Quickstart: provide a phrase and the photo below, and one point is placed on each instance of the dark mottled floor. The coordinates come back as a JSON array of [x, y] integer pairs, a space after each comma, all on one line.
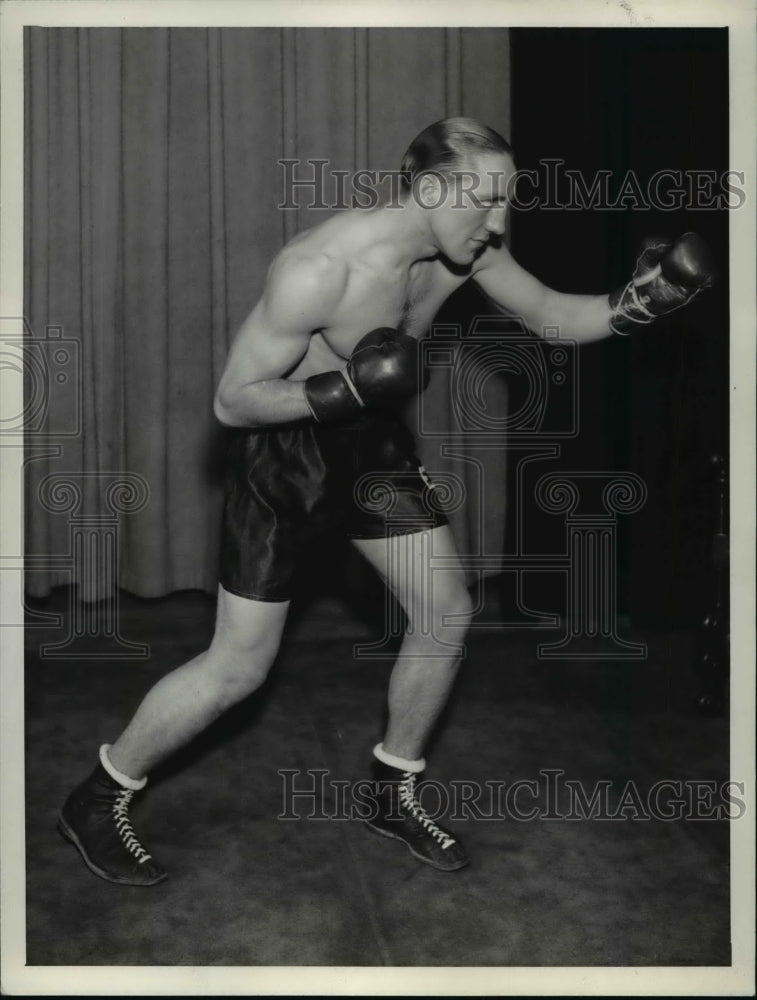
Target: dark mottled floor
[[247, 888]]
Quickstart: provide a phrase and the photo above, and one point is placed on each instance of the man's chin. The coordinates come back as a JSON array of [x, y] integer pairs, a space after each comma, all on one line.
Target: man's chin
[[467, 254], [459, 261], [474, 253]]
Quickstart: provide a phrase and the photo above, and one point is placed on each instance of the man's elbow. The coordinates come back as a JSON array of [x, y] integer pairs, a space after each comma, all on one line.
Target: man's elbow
[[223, 408]]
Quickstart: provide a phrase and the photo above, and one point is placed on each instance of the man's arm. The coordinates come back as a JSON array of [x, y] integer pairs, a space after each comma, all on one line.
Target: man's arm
[[582, 318], [299, 297], [668, 275]]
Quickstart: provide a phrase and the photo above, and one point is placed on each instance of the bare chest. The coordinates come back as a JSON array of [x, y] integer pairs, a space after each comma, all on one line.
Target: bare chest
[[406, 302]]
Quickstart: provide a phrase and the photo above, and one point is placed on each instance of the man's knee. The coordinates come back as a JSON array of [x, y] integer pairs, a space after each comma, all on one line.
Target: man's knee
[[238, 663], [447, 608], [235, 673], [247, 637]]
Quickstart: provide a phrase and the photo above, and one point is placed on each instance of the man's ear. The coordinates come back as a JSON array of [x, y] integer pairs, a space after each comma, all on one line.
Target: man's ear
[[431, 189]]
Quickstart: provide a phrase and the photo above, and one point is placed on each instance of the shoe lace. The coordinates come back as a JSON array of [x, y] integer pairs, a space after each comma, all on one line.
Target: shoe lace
[[413, 806], [124, 828]]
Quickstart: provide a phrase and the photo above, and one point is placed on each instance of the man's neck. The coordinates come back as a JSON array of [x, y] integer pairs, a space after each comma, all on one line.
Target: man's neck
[[407, 227]]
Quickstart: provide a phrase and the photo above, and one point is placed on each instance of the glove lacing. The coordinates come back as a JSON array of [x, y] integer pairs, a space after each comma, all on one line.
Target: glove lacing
[[413, 806], [638, 302], [124, 828]]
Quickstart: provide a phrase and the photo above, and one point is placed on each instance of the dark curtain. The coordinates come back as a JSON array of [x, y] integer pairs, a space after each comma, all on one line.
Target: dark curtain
[[152, 187], [656, 403]]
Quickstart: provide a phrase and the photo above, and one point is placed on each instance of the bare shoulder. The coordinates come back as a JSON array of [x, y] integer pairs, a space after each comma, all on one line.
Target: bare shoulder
[[304, 283]]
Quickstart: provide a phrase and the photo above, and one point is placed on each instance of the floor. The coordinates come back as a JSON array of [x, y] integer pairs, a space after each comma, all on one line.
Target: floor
[[247, 888]]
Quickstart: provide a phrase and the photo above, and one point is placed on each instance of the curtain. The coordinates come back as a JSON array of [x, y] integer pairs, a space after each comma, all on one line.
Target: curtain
[[151, 217]]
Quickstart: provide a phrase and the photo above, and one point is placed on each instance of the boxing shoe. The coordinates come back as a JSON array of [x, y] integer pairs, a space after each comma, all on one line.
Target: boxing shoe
[[95, 819], [396, 812]]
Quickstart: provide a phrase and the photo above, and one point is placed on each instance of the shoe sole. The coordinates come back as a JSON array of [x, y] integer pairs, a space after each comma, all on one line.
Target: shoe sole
[[420, 857], [68, 834]]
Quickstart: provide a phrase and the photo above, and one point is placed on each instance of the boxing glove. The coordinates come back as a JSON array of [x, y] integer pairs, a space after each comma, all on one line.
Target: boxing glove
[[383, 367], [667, 276]]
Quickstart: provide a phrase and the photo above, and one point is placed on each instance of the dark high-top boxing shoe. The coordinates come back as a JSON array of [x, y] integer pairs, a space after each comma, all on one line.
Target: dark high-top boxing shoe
[[95, 818], [396, 812]]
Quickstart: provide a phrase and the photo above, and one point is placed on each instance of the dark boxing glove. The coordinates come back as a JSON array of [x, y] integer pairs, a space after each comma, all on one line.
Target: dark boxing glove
[[384, 366], [667, 276]]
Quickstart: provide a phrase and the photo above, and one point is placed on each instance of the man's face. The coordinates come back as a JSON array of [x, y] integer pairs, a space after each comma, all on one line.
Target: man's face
[[471, 207]]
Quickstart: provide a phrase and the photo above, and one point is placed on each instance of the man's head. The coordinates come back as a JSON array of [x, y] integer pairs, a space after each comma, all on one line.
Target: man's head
[[458, 171], [446, 146]]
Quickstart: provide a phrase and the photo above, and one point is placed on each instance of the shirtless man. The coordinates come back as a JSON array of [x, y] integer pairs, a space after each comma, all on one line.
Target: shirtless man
[[309, 384]]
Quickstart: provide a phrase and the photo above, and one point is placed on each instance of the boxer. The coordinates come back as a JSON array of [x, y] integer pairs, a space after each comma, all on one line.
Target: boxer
[[309, 389]]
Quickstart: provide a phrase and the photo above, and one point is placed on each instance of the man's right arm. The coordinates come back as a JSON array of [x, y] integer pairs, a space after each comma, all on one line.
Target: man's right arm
[[299, 297]]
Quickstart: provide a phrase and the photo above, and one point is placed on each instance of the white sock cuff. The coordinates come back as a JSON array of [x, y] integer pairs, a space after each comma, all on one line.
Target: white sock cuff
[[414, 766], [116, 775]]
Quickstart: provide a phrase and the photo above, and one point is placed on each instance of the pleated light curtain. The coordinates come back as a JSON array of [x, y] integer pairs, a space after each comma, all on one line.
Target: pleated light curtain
[[151, 217]]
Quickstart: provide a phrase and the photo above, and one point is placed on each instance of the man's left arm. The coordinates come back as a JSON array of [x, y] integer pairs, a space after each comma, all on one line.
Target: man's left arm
[[668, 274]]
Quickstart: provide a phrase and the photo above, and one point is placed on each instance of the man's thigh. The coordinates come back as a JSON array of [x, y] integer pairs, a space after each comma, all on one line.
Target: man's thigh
[[245, 625], [422, 569]]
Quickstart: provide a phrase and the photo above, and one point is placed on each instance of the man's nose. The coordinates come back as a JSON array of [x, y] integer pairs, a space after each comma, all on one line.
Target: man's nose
[[496, 221]]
